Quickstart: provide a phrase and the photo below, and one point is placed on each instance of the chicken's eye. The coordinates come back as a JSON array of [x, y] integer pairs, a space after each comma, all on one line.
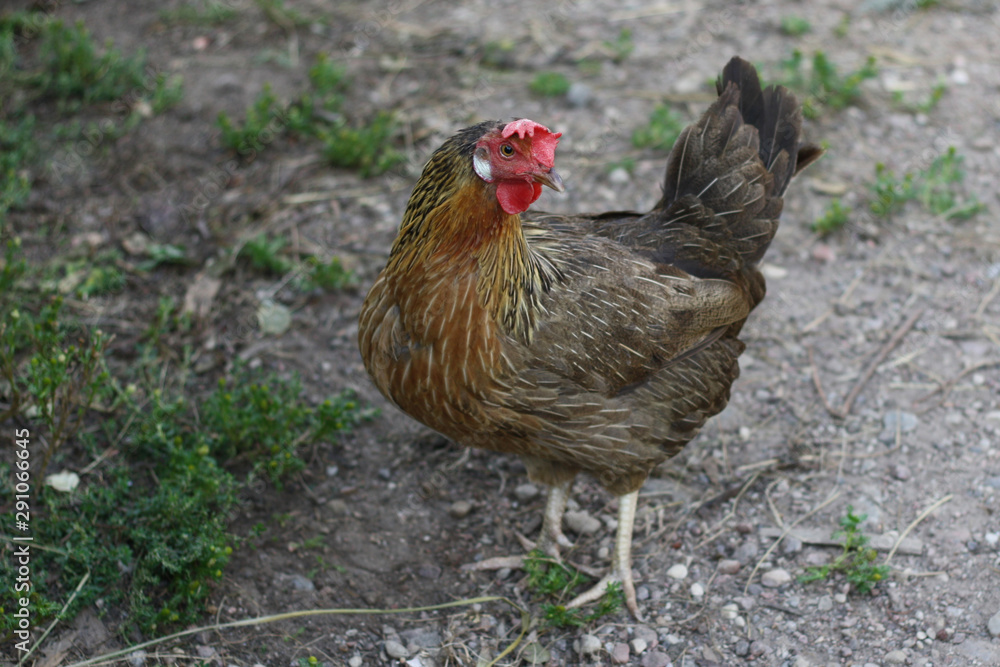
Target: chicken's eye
[[506, 150]]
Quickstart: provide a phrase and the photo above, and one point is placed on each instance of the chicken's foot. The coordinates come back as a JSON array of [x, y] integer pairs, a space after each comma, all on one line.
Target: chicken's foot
[[621, 560], [550, 540]]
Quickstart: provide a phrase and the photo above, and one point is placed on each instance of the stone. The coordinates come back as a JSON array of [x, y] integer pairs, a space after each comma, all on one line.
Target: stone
[[697, 590], [620, 654], [355, 661], [906, 421], [730, 611], [792, 545], [588, 645], [526, 492], [137, 658], [647, 634], [775, 578], [579, 94], [582, 523], [729, 566], [460, 509], [896, 657], [747, 552], [655, 659], [639, 645], [421, 638], [678, 571], [394, 649], [900, 472], [994, 625]]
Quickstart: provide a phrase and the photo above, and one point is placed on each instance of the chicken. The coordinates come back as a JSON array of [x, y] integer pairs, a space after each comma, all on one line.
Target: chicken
[[588, 343]]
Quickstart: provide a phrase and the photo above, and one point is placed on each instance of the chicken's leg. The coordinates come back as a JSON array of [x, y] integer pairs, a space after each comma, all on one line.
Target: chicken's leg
[[551, 538], [621, 560]]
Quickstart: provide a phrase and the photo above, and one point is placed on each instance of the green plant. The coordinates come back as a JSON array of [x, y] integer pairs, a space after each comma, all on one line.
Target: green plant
[[621, 47], [834, 217], [261, 124], [330, 276], [935, 188], [16, 148], [795, 26], [822, 85], [203, 13], [856, 561], [53, 373], [550, 578], [366, 148], [282, 16], [251, 419], [265, 255], [549, 84], [937, 92], [662, 130]]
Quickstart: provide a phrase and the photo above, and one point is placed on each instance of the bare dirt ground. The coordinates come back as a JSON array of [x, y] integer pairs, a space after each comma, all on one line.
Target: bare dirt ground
[[776, 459]]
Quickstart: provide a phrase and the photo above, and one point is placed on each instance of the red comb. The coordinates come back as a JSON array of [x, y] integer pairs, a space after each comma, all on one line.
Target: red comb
[[543, 141]]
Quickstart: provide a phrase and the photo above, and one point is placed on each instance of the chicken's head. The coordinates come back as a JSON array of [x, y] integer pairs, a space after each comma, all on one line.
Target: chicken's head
[[518, 157]]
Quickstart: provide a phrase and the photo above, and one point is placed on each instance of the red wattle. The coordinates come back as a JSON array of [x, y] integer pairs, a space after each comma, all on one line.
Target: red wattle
[[516, 196]]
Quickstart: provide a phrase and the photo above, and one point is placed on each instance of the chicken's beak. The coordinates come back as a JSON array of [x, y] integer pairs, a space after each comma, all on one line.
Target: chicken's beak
[[551, 179]]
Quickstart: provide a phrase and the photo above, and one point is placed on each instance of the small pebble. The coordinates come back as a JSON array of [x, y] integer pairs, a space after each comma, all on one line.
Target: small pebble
[[137, 658], [355, 661], [907, 422], [742, 648], [792, 545], [992, 538], [642, 593], [730, 611], [525, 492], [775, 578], [619, 175], [385, 473], [994, 625], [900, 472], [896, 657], [579, 94], [697, 590], [394, 649], [729, 566], [460, 509], [655, 659], [639, 645], [588, 645], [678, 571], [620, 654], [582, 523]]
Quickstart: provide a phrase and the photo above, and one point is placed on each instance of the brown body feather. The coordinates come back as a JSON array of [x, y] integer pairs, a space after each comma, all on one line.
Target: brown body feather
[[588, 343]]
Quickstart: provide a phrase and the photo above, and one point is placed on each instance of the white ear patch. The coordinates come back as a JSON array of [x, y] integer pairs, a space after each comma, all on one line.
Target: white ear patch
[[481, 163]]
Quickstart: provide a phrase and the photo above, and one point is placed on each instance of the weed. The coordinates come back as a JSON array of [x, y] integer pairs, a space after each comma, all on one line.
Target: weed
[[662, 130], [365, 147], [856, 561], [203, 13], [795, 26], [843, 27], [549, 578], [16, 148], [265, 255], [621, 47], [822, 86], [935, 188], [498, 55], [549, 84], [260, 124], [163, 253], [937, 92], [834, 218], [330, 276]]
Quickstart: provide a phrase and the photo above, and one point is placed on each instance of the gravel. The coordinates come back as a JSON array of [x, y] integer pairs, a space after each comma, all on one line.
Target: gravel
[[582, 523], [776, 578], [678, 571], [994, 625], [526, 492], [394, 649]]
